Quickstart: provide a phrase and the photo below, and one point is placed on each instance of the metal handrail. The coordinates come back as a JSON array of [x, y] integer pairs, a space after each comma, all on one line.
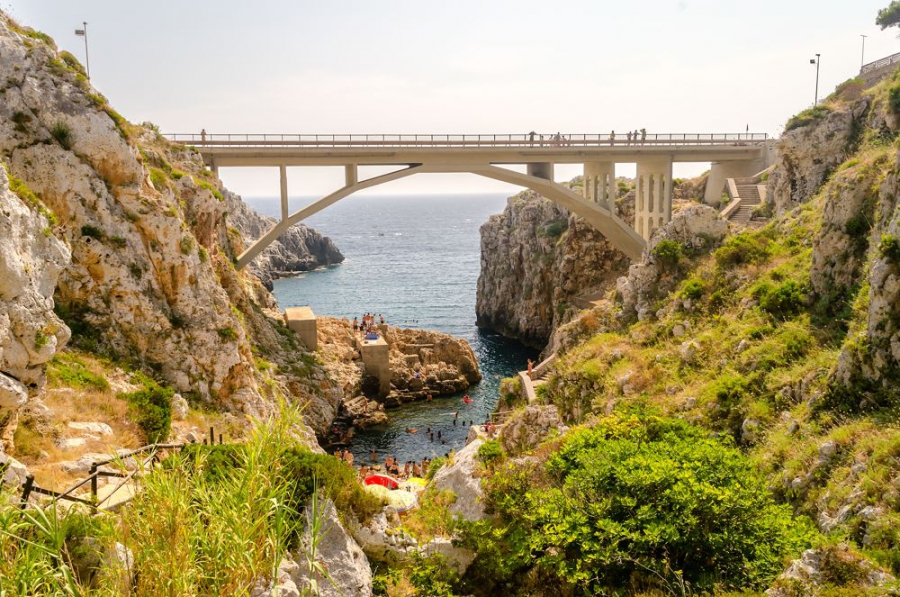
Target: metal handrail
[[880, 63], [464, 140]]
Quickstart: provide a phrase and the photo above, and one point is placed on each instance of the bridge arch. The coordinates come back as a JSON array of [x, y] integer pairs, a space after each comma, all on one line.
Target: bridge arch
[[599, 216]]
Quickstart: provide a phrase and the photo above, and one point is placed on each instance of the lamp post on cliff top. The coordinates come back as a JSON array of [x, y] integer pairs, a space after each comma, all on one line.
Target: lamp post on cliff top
[[862, 60], [816, 61], [87, 60]]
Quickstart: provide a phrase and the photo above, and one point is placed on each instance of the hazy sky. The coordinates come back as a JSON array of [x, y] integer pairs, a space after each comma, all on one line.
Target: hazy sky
[[461, 66]]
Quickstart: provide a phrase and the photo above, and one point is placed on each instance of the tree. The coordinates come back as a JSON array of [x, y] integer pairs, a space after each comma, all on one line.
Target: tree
[[890, 16]]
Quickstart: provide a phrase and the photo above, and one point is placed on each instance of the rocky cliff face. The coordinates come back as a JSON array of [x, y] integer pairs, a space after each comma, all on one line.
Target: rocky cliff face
[[151, 279], [535, 259], [299, 249], [31, 259]]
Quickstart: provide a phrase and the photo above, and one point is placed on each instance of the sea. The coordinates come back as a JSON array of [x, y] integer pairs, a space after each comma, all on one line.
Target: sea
[[415, 260]]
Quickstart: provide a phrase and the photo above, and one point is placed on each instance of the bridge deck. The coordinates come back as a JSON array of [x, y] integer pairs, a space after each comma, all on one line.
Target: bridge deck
[[332, 150]]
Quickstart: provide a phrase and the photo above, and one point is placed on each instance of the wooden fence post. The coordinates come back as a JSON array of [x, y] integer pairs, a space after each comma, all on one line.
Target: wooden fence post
[[212, 436], [26, 490], [93, 473]]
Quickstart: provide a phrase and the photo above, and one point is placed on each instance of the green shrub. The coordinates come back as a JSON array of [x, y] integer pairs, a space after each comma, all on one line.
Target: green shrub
[[782, 301], [118, 242], [187, 245], [209, 187], [92, 231], [894, 98], [633, 501], [72, 63], [202, 254], [692, 289], [490, 453], [434, 466], [807, 117], [227, 334], [742, 249], [151, 409], [63, 134], [858, 225], [159, 179], [555, 228], [889, 248], [668, 252], [21, 190]]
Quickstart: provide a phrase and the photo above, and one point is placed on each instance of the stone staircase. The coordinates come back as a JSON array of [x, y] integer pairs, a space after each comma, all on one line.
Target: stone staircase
[[746, 195], [749, 194]]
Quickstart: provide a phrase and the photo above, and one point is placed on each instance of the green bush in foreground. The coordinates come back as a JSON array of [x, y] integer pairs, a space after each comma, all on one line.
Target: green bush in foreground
[[643, 503], [151, 409]]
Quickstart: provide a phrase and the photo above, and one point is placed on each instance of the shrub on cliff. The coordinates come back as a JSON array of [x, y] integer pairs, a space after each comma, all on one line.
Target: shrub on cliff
[[645, 502], [151, 409]]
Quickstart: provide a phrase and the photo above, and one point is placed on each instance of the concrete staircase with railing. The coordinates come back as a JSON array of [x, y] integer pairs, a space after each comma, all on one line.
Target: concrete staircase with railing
[[746, 194], [539, 375]]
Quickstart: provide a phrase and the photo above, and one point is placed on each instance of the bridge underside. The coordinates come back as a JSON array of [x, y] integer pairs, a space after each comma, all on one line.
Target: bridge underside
[[599, 213]]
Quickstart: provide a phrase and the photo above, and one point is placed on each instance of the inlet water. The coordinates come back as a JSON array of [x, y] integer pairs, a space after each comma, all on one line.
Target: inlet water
[[415, 260]]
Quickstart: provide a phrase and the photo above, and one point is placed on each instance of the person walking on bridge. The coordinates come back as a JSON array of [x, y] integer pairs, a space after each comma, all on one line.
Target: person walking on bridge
[[612, 138], [203, 135], [643, 135], [531, 138]]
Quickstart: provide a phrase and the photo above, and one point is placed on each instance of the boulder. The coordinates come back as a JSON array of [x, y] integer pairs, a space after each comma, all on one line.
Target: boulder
[[338, 553], [527, 428], [462, 478]]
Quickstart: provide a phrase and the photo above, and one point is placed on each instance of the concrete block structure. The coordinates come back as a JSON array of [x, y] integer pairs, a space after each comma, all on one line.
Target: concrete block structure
[[376, 357], [653, 196], [302, 320]]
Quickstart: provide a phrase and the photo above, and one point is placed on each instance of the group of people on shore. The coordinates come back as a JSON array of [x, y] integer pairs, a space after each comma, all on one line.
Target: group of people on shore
[[410, 468], [368, 323]]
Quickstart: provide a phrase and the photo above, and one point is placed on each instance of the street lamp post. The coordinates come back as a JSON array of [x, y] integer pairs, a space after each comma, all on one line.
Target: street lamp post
[[816, 61], [87, 59], [862, 60]]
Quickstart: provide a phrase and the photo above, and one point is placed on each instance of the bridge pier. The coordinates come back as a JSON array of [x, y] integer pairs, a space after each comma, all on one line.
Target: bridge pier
[[600, 183], [653, 196], [541, 170], [351, 175], [284, 192]]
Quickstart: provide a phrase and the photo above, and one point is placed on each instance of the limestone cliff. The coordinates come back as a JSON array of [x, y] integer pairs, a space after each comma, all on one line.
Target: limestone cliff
[[299, 249], [31, 259], [536, 258], [151, 279]]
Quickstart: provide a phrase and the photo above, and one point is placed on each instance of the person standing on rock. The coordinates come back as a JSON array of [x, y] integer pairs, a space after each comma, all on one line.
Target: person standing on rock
[[373, 456]]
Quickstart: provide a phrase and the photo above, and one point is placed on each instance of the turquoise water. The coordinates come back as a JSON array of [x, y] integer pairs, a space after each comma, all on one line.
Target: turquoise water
[[416, 261]]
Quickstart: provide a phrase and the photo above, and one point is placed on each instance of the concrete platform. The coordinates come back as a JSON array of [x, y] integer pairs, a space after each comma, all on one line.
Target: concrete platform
[[302, 320]]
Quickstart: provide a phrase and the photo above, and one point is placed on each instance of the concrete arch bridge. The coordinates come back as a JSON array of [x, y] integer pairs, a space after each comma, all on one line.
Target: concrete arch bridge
[[731, 155]]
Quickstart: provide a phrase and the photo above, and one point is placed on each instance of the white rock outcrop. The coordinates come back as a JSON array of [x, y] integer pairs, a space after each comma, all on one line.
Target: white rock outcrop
[[31, 260], [463, 478], [340, 555]]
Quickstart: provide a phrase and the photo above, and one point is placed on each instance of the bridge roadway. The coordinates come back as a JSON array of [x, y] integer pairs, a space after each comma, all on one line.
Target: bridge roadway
[[485, 155]]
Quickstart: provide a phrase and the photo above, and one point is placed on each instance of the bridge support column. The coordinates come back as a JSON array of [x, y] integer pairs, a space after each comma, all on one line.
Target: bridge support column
[[600, 183], [284, 192], [653, 196], [541, 170], [351, 176]]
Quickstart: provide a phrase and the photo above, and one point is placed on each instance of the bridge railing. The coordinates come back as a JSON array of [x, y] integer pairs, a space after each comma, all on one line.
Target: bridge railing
[[526, 140], [880, 63]]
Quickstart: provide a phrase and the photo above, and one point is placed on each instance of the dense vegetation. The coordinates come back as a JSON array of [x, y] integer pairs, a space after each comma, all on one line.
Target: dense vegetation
[[635, 501], [211, 521]]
